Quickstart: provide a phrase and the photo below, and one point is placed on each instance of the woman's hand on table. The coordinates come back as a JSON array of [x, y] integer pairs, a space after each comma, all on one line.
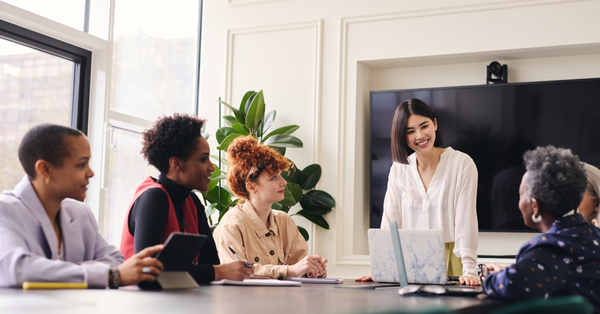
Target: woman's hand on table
[[364, 278], [469, 280], [312, 265]]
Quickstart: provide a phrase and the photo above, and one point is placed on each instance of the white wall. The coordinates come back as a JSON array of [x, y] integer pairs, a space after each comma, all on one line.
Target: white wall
[[317, 61]]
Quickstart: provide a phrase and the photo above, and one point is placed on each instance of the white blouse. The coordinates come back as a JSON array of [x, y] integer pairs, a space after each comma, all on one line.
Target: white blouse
[[449, 204]]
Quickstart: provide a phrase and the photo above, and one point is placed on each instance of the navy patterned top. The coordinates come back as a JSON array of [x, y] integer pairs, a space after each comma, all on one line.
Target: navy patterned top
[[564, 261]]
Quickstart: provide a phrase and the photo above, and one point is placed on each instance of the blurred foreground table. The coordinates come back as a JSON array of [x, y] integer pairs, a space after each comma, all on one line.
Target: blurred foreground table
[[309, 298]]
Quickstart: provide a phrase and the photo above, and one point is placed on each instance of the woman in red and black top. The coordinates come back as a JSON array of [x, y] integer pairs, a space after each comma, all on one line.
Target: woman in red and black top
[[167, 204]]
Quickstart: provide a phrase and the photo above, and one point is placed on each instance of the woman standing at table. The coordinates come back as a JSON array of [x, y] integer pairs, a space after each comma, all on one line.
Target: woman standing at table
[[168, 204], [267, 237], [47, 233], [433, 188]]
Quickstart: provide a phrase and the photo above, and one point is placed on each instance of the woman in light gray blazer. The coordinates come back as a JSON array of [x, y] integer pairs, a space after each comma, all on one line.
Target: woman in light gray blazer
[[47, 234]]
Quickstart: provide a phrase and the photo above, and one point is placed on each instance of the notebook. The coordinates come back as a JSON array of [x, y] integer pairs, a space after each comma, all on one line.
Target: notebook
[[422, 256]]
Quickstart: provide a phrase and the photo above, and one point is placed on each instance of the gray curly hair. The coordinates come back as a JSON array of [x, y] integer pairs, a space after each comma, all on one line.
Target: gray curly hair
[[556, 179]]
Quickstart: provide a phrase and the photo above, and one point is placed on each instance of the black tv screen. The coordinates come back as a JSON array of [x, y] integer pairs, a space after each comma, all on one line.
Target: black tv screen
[[495, 125]]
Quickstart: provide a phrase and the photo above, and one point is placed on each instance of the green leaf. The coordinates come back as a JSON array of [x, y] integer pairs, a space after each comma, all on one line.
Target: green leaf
[[213, 197], [205, 135], [284, 208], [247, 96], [313, 208], [238, 114], [296, 191], [303, 232], [209, 210], [230, 120], [292, 174], [284, 130], [214, 181], [280, 150], [223, 132], [268, 121], [310, 176], [317, 220], [284, 141], [289, 199], [320, 197], [225, 144], [241, 128], [276, 206], [256, 111]]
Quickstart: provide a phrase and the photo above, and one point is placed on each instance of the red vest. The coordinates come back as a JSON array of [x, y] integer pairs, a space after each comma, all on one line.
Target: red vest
[[190, 214]]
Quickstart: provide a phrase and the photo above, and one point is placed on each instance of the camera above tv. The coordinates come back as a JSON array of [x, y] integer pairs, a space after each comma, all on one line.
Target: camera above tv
[[495, 125]]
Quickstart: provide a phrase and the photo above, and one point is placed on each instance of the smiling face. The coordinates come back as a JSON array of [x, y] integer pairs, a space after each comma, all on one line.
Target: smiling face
[[71, 180], [268, 188], [420, 133], [195, 171]]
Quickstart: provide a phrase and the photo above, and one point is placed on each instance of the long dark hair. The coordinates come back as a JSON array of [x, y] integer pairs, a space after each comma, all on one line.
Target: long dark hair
[[403, 112]]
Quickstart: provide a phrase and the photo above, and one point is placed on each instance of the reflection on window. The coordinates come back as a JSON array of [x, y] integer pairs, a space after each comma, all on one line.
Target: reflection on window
[[154, 57], [68, 12], [127, 169], [35, 88]]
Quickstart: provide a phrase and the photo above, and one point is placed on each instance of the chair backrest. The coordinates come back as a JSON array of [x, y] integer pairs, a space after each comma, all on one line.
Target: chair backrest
[[557, 305]]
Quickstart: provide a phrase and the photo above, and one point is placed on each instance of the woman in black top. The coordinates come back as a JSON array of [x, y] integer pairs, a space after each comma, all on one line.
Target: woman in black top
[[174, 146]]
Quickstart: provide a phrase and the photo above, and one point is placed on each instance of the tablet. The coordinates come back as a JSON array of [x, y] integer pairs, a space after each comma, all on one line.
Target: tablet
[[180, 250]]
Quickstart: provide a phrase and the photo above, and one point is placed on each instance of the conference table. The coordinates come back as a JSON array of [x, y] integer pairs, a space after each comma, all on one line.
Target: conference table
[[309, 298]]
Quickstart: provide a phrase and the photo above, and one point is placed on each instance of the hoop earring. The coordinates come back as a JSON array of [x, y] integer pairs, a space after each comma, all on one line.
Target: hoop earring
[[536, 219]]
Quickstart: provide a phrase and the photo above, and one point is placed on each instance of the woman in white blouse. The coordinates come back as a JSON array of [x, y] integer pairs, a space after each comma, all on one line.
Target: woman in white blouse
[[433, 188]]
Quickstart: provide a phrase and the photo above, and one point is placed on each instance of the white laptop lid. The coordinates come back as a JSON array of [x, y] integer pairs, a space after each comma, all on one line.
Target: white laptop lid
[[423, 253]]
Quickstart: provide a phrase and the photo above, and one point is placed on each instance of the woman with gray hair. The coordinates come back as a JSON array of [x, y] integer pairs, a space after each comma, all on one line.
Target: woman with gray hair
[[565, 258], [590, 205]]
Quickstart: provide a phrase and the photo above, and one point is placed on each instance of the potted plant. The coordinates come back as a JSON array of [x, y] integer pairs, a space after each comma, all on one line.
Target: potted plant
[[250, 119]]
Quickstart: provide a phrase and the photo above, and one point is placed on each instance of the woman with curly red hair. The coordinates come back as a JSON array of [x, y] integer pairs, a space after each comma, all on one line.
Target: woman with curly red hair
[[267, 237], [167, 204]]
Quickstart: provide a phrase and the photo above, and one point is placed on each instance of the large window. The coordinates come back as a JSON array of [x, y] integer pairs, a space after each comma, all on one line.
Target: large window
[[146, 65], [154, 72], [42, 80]]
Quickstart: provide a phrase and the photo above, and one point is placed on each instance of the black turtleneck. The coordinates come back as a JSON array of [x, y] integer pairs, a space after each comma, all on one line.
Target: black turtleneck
[[148, 220]]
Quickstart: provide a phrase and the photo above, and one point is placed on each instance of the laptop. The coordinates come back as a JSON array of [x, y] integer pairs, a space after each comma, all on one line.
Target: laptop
[[420, 256]]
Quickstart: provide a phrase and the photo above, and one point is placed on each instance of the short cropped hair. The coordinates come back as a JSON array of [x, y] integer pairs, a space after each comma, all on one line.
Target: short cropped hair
[[173, 136], [45, 142], [556, 179], [248, 159], [406, 109]]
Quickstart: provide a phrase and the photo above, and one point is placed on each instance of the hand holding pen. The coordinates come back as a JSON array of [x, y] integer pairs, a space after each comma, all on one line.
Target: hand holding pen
[[248, 264]]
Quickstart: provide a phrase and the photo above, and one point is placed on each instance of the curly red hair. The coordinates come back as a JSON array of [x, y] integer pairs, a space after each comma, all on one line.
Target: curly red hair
[[245, 154]]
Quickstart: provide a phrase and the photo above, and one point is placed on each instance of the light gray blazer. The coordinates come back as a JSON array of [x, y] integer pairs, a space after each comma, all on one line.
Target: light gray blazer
[[28, 246]]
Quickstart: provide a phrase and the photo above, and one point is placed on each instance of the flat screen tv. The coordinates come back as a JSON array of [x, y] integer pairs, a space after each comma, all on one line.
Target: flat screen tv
[[494, 124]]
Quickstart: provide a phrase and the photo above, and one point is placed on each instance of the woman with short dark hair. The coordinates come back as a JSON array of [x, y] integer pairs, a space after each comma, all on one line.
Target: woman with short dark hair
[[174, 146], [432, 188], [47, 232], [565, 258]]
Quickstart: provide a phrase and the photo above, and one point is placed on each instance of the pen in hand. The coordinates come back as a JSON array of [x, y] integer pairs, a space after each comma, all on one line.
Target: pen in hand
[[234, 253]]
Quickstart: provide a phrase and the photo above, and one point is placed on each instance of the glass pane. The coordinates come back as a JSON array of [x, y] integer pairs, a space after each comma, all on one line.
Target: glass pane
[[68, 12], [99, 18], [154, 57], [35, 88], [127, 169]]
